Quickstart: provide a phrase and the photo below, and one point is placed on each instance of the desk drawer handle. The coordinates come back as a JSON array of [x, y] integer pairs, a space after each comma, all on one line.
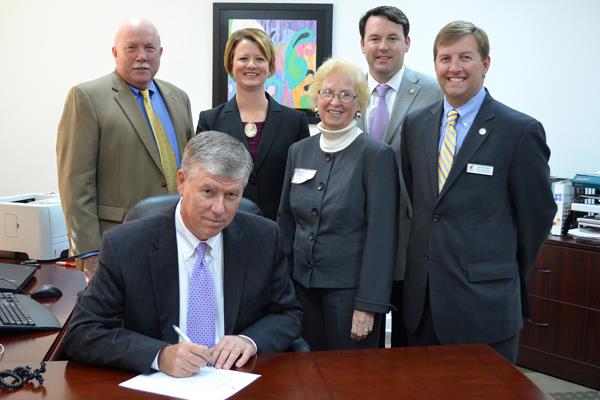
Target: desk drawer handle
[[540, 324], [542, 270]]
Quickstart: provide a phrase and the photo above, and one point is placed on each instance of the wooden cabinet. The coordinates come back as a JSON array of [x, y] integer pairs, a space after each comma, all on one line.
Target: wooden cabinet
[[562, 337]]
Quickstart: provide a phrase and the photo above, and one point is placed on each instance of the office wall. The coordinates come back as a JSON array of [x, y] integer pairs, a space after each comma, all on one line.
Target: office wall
[[544, 62]]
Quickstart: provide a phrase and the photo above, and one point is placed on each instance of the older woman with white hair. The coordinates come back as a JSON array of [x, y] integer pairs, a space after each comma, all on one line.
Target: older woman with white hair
[[338, 215]]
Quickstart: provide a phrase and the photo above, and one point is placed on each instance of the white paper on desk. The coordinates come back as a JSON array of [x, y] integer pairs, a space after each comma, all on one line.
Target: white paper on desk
[[206, 384]]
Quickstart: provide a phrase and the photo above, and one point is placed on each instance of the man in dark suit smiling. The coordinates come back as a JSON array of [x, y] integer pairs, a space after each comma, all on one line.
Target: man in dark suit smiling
[[477, 175], [218, 274]]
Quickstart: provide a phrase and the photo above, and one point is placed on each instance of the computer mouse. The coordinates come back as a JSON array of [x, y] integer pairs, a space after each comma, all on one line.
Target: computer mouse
[[46, 291]]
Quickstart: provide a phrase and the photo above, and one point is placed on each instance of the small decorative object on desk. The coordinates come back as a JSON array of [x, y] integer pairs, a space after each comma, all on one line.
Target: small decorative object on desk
[[563, 192], [22, 375]]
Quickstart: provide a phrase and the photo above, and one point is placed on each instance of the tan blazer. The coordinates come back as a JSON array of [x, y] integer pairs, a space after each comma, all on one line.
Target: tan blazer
[[107, 157]]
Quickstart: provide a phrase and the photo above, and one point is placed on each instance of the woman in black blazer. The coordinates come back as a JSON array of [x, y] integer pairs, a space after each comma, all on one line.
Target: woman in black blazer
[[255, 118]]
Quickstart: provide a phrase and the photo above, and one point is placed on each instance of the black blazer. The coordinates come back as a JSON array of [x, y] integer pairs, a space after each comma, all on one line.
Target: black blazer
[[283, 126], [472, 245], [127, 313]]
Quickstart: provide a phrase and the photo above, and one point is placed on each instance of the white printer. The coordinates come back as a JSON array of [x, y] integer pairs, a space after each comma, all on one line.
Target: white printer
[[33, 223]]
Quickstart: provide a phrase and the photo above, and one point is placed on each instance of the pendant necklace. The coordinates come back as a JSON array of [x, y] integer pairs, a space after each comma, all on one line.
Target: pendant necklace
[[250, 129]]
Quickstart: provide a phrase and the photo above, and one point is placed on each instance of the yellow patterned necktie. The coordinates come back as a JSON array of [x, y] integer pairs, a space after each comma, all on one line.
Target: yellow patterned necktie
[[167, 156], [446, 156]]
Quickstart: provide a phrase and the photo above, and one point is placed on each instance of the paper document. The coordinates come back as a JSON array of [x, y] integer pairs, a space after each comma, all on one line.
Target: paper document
[[206, 384]]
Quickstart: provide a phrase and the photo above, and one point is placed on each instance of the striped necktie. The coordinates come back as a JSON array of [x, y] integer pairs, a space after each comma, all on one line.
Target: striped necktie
[[167, 156], [446, 156]]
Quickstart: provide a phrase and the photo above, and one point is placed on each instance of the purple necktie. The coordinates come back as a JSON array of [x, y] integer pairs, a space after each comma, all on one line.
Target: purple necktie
[[201, 316], [381, 118]]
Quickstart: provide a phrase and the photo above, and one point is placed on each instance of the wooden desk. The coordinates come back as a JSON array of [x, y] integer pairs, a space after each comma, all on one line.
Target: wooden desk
[[43, 345], [441, 372]]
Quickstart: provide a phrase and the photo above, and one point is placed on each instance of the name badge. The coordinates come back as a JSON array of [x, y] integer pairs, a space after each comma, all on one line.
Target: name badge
[[302, 175], [480, 169]]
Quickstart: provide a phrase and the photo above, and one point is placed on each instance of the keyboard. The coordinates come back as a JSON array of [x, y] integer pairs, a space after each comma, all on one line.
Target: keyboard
[[20, 313], [12, 311]]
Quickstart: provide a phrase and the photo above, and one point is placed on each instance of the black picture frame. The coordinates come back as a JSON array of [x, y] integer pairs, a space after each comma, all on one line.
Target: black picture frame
[[224, 12]]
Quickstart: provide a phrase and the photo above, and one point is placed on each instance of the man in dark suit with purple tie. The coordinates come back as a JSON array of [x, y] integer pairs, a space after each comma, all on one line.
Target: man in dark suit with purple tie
[[146, 283]]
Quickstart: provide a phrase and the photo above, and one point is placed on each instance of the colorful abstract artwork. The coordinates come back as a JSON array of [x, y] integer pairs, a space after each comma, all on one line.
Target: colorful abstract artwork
[[295, 43]]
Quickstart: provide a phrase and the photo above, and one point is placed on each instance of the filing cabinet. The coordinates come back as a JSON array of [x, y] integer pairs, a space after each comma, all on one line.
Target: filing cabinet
[[562, 336]]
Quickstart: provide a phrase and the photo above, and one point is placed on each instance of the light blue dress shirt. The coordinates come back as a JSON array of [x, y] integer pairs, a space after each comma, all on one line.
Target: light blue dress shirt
[[466, 115], [161, 110]]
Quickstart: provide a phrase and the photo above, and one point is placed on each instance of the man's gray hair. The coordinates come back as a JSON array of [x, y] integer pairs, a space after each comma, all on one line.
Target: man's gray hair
[[219, 154]]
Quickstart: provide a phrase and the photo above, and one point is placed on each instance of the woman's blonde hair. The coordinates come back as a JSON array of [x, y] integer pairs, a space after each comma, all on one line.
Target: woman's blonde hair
[[256, 36], [335, 64]]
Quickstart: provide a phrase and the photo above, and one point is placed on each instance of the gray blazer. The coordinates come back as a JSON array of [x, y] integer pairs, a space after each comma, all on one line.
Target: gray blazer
[[341, 223], [127, 313], [417, 90], [472, 246]]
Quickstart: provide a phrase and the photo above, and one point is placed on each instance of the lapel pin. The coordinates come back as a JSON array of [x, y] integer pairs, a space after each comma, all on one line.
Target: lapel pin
[[411, 90], [482, 131]]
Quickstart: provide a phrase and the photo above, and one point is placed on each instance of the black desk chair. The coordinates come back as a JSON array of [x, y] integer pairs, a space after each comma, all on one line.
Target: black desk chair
[[155, 204]]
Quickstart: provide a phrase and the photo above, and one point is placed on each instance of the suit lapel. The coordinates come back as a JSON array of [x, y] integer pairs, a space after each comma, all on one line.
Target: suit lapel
[[126, 100], [234, 260], [164, 272], [484, 122], [269, 132], [231, 122], [175, 107], [408, 91]]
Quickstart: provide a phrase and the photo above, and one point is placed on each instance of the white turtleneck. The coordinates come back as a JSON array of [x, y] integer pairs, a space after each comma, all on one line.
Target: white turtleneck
[[334, 141]]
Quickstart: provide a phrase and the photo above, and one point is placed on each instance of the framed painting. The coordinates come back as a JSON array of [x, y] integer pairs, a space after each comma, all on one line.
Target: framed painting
[[301, 35]]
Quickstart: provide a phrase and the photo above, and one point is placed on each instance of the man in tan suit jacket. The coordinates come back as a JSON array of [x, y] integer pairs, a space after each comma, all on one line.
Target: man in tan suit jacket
[[107, 155]]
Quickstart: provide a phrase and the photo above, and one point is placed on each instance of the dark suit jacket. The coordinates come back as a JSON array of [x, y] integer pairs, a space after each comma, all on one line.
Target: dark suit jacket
[[283, 126], [416, 91], [107, 156], [474, 243], [127, 314]]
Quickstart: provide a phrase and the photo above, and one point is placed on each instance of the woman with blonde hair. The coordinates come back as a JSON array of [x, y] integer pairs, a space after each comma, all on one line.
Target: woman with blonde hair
[[338, 216], [253, 117]]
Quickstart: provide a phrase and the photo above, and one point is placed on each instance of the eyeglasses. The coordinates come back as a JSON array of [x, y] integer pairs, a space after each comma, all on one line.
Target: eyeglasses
[[344, 95]]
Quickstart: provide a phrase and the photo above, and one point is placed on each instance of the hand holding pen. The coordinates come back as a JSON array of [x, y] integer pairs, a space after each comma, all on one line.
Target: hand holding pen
[[183, 359], [231, 350], [186, 339]]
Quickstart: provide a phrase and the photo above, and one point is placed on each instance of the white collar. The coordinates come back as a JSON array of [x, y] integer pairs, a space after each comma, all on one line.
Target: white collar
[[393, 83], [188, 241], [334, 141]]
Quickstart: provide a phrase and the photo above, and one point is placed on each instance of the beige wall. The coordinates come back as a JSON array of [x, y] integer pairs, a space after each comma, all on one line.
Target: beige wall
[[544, 62]]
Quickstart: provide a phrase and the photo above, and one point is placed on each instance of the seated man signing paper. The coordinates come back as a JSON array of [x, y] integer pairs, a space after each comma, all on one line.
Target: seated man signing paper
[[217, 274]]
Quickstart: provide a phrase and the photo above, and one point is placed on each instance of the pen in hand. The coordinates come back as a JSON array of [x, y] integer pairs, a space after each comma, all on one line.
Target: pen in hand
[[186, 339]]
